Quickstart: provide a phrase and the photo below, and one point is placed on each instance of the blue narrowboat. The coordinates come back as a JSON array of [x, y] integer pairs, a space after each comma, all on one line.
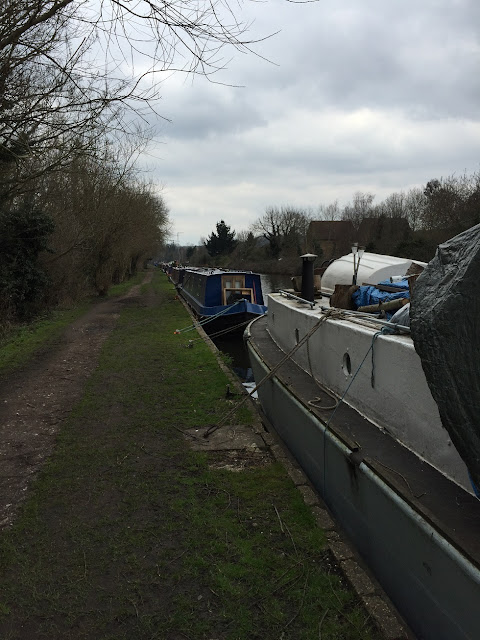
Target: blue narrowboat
[[176, 275], [222, 299]]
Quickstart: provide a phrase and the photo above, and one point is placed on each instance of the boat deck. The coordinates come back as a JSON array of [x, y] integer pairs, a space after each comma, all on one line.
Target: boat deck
[[442, 503]]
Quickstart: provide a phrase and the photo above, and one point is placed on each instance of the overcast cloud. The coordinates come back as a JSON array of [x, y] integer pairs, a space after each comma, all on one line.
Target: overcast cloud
[[372, 95]]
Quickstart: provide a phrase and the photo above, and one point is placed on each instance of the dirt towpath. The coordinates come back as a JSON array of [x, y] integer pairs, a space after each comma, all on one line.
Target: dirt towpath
[[35, 400]]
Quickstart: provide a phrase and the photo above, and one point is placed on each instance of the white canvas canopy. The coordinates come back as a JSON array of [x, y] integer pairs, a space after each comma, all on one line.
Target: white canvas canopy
[[373, 269]]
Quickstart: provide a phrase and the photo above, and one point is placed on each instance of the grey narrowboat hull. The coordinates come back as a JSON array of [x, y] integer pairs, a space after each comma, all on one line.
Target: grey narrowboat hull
[[416, 530]]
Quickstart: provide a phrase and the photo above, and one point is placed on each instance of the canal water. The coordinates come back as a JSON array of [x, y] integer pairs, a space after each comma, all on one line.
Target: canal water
[[234, 346], [272, 282]]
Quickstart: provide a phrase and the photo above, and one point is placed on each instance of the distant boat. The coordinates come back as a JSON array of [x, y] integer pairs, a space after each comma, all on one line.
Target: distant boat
[[351, 401], [222, 300]]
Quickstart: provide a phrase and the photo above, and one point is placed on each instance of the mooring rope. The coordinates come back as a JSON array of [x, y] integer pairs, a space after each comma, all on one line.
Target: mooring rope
[[271, 373], [202, 323], [370, 348], [221, 332], [328, 314], [313, 403]]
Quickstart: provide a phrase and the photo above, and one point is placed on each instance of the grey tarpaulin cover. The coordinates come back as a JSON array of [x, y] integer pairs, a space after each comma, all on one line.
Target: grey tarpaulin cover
[[445, 326]]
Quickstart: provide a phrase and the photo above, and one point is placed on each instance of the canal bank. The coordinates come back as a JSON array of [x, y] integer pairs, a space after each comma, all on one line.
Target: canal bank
[[130, 532]]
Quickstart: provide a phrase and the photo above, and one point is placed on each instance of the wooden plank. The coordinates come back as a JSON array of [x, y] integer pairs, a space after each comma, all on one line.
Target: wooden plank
[[384, 287], [384, 306]]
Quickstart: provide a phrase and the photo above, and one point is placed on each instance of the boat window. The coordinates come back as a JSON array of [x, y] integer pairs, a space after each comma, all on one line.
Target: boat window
[[233, 282], [347, 364], [232, 295], [236, 284]]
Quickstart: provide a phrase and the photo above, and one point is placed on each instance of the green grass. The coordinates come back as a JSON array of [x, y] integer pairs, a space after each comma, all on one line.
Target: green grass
[[20, 343], [129, 534], [124, 287]]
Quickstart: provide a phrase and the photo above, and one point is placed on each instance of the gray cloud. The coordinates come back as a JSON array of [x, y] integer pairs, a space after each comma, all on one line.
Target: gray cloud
[[375, 96]]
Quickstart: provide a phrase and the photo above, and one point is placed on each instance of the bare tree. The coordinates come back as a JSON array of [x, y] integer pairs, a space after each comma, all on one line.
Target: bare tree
[[361, 207], [284, 228], [69, 68], [394, 206], [47, 101], [107, 221], [329, 211], [415, 202]]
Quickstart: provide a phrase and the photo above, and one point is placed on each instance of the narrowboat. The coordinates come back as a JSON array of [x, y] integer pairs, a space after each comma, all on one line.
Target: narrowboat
[[222, 300], [176, 275], [348, 393]]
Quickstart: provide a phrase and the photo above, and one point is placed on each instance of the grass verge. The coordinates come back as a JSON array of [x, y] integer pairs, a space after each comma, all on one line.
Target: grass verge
[[129, 534], [20, 343], [124, 287]]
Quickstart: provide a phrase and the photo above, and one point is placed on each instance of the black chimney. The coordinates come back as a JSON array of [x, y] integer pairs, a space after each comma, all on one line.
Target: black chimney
[[307, 277]]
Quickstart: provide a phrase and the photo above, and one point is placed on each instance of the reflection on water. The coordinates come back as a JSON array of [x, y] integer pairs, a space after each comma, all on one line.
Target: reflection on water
[[237, 350], [272, 282]]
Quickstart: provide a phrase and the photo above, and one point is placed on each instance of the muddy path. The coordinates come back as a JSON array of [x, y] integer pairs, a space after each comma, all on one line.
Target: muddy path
[[36, 400]]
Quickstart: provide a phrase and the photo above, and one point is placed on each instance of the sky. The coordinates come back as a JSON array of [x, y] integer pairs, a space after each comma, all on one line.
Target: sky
[[377, 96]]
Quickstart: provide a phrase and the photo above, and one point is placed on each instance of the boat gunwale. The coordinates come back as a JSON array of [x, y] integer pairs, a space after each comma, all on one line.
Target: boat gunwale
[[340, 425]]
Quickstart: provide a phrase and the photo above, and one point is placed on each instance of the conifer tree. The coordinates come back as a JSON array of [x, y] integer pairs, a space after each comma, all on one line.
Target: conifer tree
[[221, 243]]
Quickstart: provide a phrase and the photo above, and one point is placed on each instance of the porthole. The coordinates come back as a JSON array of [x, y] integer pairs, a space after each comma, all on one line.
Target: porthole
[[347, 364]]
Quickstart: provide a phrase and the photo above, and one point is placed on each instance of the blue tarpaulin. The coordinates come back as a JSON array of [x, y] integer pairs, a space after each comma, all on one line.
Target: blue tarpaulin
[[369, 294]]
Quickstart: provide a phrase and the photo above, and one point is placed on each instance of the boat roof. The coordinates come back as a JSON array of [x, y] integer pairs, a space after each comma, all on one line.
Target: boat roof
[[373, 268], [215, 271], [369, 322]]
